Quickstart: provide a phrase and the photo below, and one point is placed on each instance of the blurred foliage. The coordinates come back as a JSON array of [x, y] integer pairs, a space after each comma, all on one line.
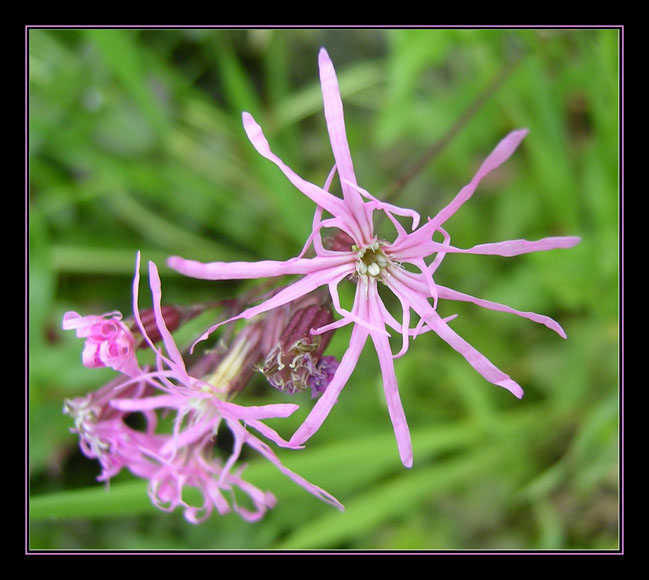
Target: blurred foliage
[[136, 143]]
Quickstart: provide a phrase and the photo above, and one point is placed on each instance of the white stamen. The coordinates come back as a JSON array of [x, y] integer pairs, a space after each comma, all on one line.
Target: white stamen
[[373, 269], [381, 260]]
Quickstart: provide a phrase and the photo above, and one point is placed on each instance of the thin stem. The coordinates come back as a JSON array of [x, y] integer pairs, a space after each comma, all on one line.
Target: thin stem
[[399, 184]]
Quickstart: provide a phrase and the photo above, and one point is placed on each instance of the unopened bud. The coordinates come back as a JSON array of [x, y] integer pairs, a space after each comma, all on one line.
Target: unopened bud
[[172, 315], [295, 363], [339, 242]]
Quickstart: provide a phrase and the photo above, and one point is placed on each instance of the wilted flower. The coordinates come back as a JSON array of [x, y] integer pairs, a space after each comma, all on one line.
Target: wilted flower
[[201, 402], [356, 253], [296, 362], [103, 433]]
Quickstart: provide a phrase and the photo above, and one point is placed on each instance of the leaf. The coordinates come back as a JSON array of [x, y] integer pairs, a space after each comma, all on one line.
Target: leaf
[[396, 498], [123, 55]]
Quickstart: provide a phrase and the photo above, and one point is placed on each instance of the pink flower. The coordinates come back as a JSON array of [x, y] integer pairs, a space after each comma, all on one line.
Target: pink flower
[[185, 457], [356, 253], [201, 405], [104, 435], [109, 342], [194, 468]]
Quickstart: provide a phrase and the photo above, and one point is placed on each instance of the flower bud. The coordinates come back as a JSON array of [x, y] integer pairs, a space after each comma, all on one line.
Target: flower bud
[[172, 315], [295, 363], [338, 242]]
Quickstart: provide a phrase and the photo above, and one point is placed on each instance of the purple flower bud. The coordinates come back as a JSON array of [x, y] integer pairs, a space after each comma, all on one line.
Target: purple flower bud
[[338, 242], [295, 363], [173, 318]]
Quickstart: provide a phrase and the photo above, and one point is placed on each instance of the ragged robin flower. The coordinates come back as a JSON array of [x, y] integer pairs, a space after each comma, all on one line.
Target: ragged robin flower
[[357, 254]]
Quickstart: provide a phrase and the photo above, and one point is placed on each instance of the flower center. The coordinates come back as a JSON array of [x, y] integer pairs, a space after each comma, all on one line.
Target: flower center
[[371, 260]]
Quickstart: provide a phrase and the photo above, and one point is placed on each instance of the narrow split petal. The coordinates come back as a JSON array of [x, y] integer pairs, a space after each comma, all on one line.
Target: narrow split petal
[[267, 452], [499, 155], [328, 399], [511, 248], [449, 294], [148, 403], [296, 290], [176, 363], [352, 316], [395, 408], [407, 252], [167, 338], [249, 270], [476, 359], [271, 434], [324, 199], [270, 411], [388, 208], [333, 110]]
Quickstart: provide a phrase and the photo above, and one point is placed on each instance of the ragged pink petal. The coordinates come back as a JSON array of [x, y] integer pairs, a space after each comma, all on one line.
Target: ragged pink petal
[[516, 247], [334, 205], [388, 208], [267, 452], [293, 292], [328, 399], [477, 360], [407, 252], [395, 408], [270, 411], [262, 500], [167, 338], [499, 155], [271, 434], [352, 316], [147, 403], [249, 270], [333, 110], [449, 294], [176, 361], [432, 267]]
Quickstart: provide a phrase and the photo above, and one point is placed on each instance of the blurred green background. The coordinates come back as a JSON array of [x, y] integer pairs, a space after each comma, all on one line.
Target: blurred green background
[[136, 142]]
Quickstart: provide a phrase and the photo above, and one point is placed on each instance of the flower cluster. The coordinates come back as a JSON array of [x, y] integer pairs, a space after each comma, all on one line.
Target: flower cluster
[[200, 397], [284, 337]]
